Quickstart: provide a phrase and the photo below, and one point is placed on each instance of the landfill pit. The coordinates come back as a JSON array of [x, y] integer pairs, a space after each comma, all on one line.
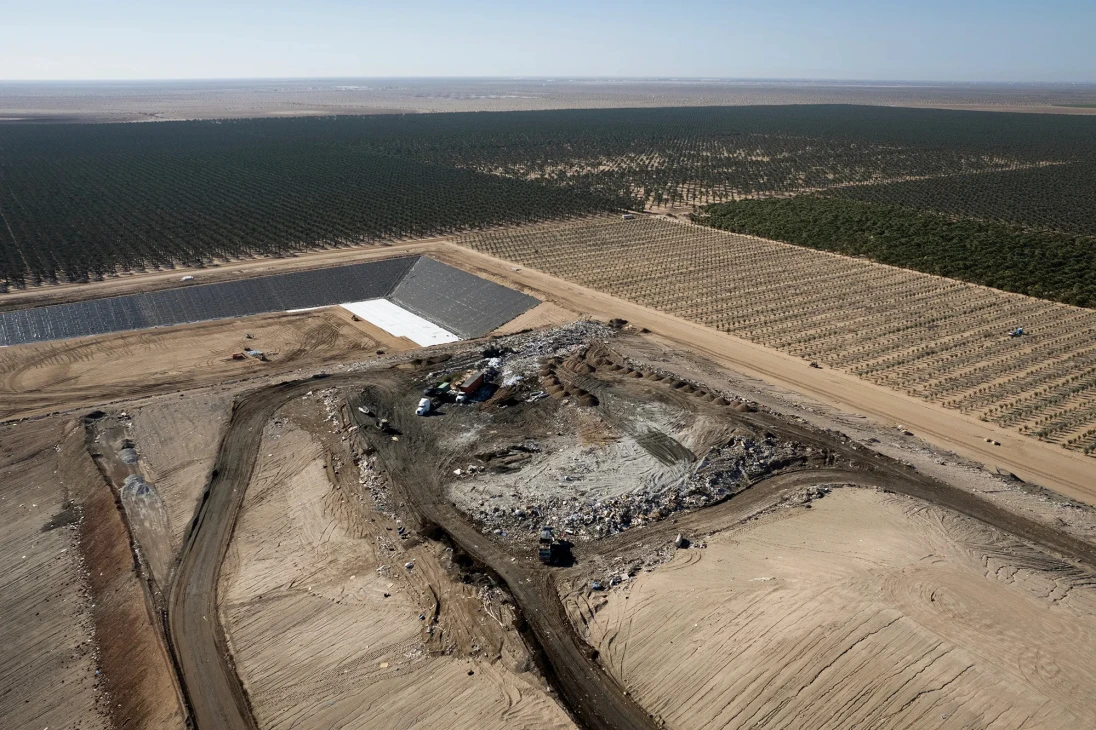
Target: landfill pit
[[569, 436]]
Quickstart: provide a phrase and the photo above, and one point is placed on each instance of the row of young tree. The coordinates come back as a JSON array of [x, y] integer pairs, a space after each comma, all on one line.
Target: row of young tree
[[957, 161]]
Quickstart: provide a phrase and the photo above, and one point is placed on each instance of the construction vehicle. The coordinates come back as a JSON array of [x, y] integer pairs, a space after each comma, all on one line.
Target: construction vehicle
[[546, 551]]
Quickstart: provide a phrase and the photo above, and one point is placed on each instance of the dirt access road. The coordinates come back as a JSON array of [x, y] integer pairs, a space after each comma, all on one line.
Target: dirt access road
[[595, 700]]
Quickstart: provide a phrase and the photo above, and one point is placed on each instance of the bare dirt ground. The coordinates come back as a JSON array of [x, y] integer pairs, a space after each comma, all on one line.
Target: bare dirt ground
[[177, 440], [54, 376], [102, 650], [320, 567], [81, 643], [327, 626], [89, 102], [867, 610], [48, 667]]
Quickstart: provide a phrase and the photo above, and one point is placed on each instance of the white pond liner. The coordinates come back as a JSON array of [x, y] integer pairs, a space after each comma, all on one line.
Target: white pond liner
[[397, 321]]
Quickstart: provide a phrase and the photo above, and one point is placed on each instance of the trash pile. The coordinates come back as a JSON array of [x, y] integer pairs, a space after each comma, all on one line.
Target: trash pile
[[374, 483], [726, 469], [528, 350], [511, 363], [723, 472]]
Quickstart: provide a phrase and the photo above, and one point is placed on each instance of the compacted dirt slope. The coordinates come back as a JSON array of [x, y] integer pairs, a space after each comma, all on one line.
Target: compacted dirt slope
[[47, 655], [327, 626], [79, 646], [177, 439], [869, 610]]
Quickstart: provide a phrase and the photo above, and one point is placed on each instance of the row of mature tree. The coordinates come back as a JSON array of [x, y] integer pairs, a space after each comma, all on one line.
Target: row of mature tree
[[698, 155], [1044, 264], [82, 201], [1054, 197], [76, 215]]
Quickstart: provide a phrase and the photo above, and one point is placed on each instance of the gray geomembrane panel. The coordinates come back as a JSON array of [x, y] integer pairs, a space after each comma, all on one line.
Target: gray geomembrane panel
[[463, 303], [299, 290]]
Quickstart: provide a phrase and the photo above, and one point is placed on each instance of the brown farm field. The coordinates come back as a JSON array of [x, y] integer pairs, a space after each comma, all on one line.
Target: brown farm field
[[932, 338]]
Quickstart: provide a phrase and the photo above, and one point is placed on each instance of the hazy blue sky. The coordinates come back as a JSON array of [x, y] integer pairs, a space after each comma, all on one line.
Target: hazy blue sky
[[978, 40]]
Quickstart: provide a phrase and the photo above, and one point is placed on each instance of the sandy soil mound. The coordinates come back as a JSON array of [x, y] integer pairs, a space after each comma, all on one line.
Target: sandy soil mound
[[178, 442], [329, 628], [866, 611], [78, 641], [544, 314]]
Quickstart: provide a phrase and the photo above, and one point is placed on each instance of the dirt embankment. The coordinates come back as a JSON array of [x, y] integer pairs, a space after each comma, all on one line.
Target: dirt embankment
[[176, 440], [94, 657], [52, 377], [48, 655], [328, 627], [139, 678], [867, 610]]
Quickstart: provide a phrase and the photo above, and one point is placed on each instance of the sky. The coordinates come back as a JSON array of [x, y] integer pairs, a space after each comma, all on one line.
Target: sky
[[923, 40]]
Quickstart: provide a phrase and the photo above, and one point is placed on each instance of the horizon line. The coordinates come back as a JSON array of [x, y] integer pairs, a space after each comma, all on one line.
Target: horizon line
[[558, 79]]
